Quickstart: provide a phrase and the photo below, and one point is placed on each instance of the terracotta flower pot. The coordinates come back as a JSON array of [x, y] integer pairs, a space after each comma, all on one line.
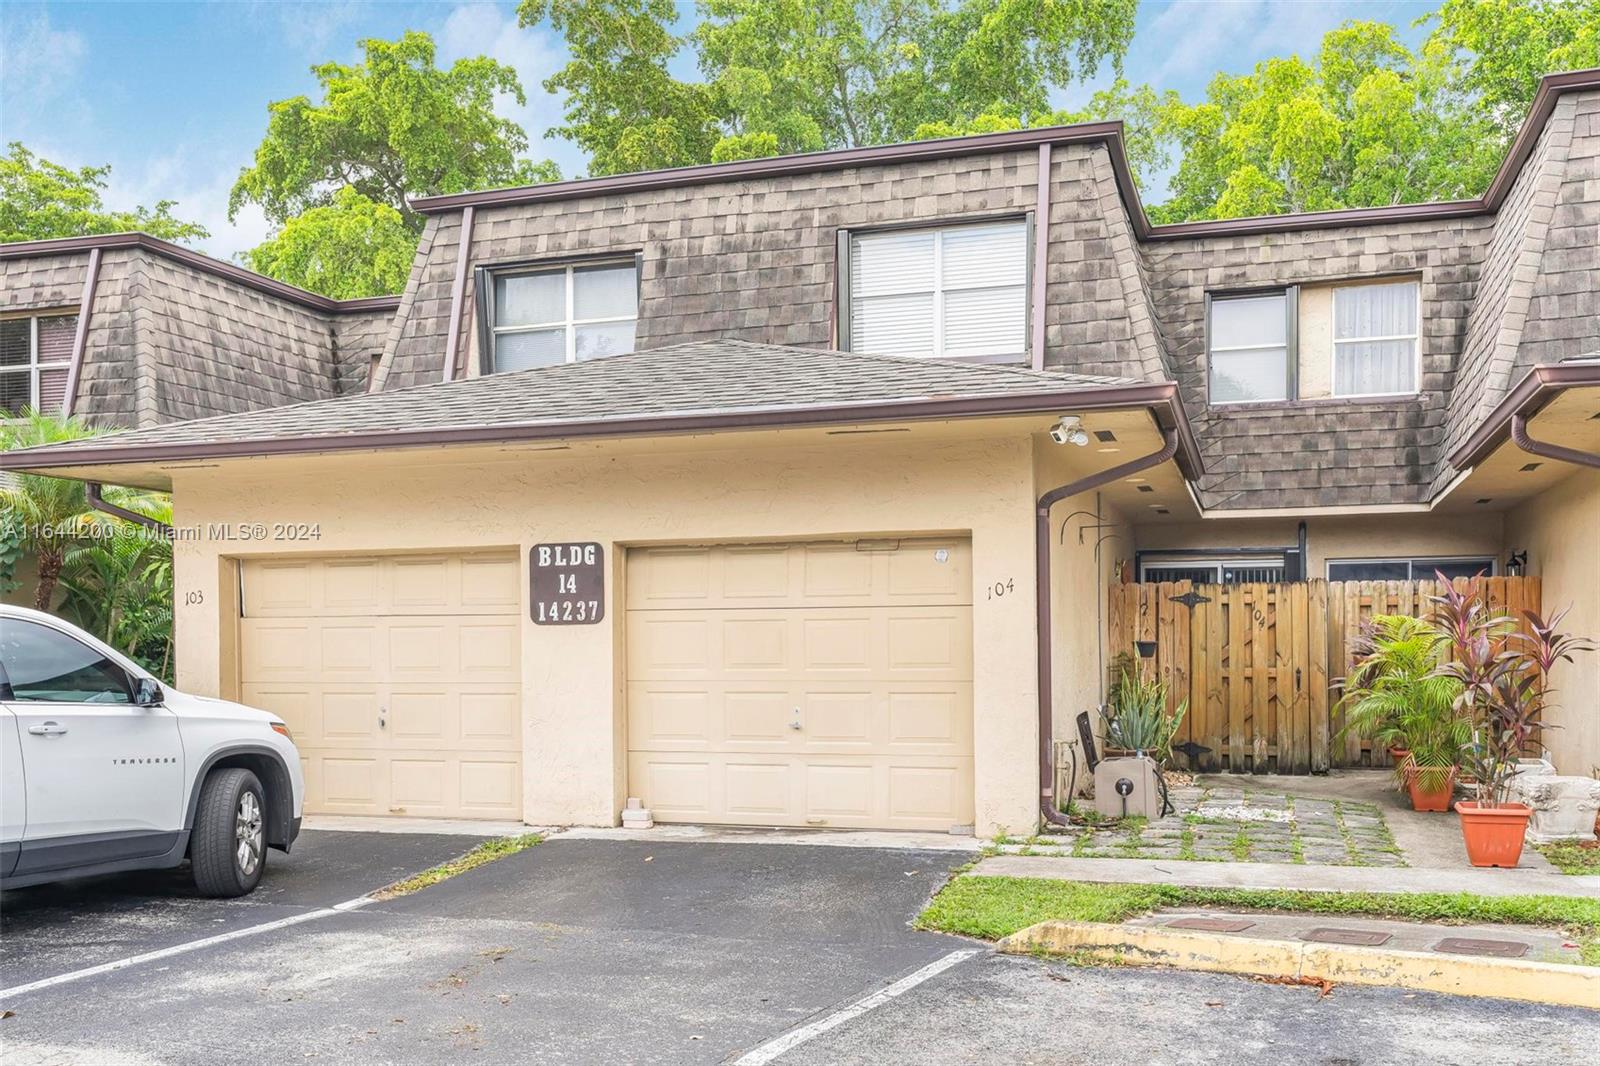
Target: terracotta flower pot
[[1430, 792], [1493, 834]]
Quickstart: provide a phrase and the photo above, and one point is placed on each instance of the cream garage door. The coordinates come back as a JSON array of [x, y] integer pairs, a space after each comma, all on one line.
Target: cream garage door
[[398, 674], [802, 684]]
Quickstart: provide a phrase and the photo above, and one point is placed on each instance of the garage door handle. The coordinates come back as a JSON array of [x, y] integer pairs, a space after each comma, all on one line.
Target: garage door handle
[[796, 723], [47, 729]]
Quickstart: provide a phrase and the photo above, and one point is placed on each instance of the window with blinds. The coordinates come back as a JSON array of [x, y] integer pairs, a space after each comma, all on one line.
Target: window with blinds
[[35, 353], [954, 292]]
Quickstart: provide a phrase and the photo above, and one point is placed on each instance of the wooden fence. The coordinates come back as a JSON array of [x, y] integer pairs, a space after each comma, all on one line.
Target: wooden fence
[[1258, 662]]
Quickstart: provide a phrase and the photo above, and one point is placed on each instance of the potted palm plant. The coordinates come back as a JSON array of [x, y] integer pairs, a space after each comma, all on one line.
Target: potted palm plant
[[1396, 696], [1504, 679]]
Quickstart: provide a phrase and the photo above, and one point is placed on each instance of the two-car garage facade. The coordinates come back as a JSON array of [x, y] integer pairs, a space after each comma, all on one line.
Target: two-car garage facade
[[816, 683]]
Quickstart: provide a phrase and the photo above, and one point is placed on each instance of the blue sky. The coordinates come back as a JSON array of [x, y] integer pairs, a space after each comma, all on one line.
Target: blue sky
[[174, 95]]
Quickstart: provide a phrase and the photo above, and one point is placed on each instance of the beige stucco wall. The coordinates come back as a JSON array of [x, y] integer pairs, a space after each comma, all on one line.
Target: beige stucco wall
[[1560, 530], [1338, 537], [761, 487]]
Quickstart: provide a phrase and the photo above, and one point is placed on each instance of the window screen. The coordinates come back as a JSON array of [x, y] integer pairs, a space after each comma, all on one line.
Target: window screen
[[957, 292], [1249, 348]]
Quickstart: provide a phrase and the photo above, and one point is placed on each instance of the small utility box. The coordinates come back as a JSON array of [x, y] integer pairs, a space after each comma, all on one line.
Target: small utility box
[[1127, 787]]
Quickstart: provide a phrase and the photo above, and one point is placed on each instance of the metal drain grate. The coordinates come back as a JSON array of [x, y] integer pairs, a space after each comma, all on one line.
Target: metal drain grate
[[1212, 925], [1359, 937], [1466, 945]]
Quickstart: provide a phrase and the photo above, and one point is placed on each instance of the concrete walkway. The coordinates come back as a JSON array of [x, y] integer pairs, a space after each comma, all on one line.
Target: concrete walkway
[[1269, 875], [1427, 840]]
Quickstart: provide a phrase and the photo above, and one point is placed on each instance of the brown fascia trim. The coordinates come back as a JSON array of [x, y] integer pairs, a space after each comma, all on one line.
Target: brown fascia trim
[[1161, 398], [204, 263], [1551, 87], [1537, 388]]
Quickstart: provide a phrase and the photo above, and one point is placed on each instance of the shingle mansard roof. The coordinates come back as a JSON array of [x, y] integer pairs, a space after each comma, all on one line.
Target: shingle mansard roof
[[701, 385]]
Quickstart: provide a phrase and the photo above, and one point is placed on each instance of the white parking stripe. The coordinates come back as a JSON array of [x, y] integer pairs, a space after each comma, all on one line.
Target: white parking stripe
[[795, 1037], [183, 949]]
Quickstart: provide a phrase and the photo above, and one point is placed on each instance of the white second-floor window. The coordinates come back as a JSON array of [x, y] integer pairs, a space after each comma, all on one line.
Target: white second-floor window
[[1375, 339], [959, 291], [1250, 350], [35, 353], [562, 315]]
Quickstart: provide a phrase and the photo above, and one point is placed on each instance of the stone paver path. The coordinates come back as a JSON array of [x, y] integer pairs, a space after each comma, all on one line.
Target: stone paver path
[[1236, 824]]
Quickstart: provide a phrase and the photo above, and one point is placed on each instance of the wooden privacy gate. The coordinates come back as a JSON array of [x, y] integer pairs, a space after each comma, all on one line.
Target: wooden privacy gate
[[1257, 661]]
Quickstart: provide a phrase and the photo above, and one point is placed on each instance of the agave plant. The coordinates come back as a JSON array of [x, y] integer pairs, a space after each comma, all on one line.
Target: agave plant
[[1396, 696], [1137, 717]]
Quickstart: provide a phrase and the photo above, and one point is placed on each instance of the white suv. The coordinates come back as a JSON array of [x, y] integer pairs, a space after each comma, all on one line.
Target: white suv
[[102, 769]]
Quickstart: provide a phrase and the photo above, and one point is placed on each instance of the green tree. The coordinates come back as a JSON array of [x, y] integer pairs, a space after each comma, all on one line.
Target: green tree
[[1499, 48], [116, 583], [48, 512], [788, 76], [347, 249], [1140, 108], [40, 199], [391, 127], [623, 107], [1369, 122]]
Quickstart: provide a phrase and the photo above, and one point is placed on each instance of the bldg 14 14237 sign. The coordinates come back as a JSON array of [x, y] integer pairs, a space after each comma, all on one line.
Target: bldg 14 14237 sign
[[569, 584]]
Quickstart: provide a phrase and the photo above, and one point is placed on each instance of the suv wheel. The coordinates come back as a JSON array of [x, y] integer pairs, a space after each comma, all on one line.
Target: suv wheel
[[228, 848]]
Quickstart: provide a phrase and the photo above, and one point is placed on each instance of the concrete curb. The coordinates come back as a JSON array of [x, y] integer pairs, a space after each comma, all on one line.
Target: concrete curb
[[1533, 982]]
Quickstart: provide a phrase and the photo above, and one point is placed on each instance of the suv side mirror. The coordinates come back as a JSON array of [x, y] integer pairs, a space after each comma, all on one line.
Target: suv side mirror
[[147, 692]]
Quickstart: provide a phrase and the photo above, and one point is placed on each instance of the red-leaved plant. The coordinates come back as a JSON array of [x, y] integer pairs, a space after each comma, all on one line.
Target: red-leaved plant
[[1505, 679]]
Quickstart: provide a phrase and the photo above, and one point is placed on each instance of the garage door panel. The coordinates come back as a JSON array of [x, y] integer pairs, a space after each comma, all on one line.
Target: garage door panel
[[928, 792], [348, 783], [868, 653], [349, 585], [346, 717], [399, 675], [928, 571], [839, 793], [346, 649], [757, 791], [277, 650], [915, 643], [489, 788], [909, 718]]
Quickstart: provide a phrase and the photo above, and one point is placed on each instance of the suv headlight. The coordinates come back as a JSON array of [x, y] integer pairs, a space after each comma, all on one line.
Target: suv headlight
[[279, 727]]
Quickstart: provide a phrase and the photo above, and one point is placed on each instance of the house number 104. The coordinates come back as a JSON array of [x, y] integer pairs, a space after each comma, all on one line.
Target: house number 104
[[1001, 588]]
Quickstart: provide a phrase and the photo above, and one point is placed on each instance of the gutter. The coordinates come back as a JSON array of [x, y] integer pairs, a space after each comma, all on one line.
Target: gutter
[[204, 263], [1519, 436], [1161, 398], [1041, 544], [1537, 388], [99, 503]]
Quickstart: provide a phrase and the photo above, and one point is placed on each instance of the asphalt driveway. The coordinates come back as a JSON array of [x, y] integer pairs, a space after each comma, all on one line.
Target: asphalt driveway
[[573, 951], [58, 928]]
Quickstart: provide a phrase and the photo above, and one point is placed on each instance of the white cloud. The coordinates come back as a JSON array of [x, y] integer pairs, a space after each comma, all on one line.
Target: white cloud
[[489, 30], [39, 66], [198, 181]]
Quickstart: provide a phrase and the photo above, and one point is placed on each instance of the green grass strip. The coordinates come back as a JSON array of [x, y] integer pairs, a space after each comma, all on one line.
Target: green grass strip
[[1570, 857], [486, 852], [993, 907]]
